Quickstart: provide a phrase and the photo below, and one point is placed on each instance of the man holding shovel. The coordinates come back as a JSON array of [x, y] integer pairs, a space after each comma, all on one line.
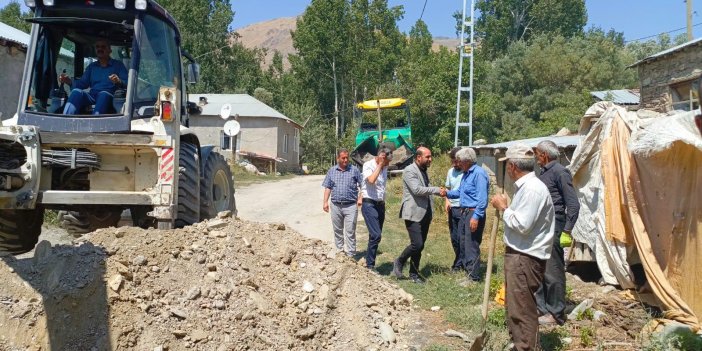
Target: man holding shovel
[[529, 224]]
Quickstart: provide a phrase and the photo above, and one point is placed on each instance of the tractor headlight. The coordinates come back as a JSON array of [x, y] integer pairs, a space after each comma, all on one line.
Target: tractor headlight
[[140, 4], [30, 3], [48, 2], [120, 4]]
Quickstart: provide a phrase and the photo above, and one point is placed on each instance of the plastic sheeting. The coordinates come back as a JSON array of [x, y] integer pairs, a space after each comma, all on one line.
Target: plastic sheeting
[[639, 184]]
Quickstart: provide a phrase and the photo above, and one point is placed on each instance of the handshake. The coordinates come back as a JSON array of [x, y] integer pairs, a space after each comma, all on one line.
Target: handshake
[[442, 191]]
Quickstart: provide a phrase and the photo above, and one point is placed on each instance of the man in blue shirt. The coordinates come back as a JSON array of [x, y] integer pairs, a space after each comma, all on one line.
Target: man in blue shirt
[[103, 77], [473, 199], [342, 185], [453, 208]]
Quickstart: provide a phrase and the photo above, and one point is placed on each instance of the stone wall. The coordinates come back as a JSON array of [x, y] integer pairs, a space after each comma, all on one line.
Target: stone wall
[[657, 76]]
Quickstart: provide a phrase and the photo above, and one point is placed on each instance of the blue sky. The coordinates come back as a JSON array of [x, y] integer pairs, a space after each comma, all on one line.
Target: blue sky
[[637, 19]]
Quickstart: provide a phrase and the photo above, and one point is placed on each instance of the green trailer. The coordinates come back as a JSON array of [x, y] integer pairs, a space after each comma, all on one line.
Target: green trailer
[[383, 122]]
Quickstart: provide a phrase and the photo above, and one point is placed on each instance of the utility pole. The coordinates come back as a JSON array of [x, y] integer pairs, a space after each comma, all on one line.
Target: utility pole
[[689, 20], [466, 49]]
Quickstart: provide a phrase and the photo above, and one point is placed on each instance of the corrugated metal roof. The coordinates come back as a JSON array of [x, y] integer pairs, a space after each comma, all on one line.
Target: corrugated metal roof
[[561, 141], [243, 105], [620, 97], [668, 51], [13, 34]]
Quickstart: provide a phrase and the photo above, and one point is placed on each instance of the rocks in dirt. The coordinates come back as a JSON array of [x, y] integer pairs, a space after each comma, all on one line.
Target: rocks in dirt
[[597, 315], [178, 313], [216, 223], [387, 333], [580, 308], [193, 293], [306, 333], [115, 283], [224, 214], [435, 308], [139, 261], [197, 287], [457, 334]]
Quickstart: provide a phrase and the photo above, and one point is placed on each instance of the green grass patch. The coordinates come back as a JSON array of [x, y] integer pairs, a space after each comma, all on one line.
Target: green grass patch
[[51, 218], [243, 178]]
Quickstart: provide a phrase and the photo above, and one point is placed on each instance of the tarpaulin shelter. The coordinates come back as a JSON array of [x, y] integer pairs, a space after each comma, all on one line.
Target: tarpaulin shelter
[[639, 182]]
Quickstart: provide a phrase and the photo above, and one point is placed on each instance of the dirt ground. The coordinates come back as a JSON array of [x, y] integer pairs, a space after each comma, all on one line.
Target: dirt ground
[[219, 285], [236, 284]]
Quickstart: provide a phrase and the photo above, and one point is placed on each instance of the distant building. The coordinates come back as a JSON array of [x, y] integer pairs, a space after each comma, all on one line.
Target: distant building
[[628, 98], [13, 51], [488, 156], [669, 78], [268, 139]]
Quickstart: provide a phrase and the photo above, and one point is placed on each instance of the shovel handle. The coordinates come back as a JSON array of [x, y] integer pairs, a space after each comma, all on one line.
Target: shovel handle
[[488, 273]]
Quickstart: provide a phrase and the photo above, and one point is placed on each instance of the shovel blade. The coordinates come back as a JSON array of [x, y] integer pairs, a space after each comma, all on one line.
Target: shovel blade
[[478, 343]]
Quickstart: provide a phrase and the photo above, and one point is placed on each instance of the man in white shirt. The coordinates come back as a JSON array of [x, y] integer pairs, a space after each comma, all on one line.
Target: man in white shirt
[[375, 177], [529, 224]]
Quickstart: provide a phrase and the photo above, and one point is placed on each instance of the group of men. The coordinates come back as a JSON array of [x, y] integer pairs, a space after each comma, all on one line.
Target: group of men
[[542, 208]]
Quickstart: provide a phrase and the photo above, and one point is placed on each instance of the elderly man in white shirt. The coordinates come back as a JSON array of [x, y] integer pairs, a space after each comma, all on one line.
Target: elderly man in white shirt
[[375, 177], [529, 223]]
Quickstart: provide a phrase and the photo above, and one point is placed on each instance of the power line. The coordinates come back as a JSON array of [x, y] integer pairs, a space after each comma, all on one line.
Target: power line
[[655, 35], [423, 7]]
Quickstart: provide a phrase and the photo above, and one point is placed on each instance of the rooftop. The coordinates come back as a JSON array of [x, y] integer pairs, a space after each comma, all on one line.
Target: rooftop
[[667, 52], [243, 105], [562, 142], [13, 34], [619, 97]]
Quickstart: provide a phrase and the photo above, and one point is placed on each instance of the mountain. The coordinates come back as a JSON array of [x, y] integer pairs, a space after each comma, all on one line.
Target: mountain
[[275, 35]]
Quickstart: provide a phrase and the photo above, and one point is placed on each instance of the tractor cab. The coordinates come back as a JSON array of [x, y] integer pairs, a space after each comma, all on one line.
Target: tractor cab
[[141, 36]]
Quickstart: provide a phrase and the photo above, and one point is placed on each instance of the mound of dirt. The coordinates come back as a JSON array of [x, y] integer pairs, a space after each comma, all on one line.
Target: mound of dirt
[[224, 284]]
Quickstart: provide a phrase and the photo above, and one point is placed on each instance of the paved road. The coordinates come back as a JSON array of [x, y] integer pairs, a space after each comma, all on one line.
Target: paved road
[[296, 202]]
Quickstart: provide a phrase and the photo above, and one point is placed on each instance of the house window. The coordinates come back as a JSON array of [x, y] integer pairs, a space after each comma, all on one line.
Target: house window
[[684, 95], [285, 144], [296, 141], [225, 141]]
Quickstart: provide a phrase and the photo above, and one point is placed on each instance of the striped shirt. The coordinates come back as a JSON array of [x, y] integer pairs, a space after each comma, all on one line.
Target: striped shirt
[[344, 184]]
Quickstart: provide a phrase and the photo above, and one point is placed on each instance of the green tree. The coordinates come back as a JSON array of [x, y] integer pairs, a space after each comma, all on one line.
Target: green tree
[[542, 86], [502, 22], [13, 16]]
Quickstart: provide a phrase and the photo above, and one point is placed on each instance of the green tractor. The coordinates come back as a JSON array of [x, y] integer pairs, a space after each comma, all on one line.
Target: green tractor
[[383, 122]]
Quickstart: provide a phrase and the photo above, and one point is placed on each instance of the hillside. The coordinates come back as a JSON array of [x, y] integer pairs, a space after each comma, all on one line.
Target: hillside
[[275, 35]]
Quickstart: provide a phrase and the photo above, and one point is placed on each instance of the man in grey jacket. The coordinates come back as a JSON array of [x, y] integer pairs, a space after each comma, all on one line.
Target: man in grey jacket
[[416, 210]]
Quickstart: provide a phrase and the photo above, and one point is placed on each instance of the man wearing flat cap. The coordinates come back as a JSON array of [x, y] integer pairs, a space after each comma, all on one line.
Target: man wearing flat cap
[[529, 225]]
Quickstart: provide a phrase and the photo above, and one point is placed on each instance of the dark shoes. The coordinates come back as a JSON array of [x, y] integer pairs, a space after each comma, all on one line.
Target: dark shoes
[[417, 279], [397, 269]]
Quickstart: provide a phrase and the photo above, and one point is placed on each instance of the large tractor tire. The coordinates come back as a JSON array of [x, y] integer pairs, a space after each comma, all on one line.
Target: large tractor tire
[[188, 186], [20, 229], [217, 190], [81, 222]]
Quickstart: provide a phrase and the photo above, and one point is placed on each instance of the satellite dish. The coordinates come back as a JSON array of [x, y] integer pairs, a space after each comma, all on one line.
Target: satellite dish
[[226, 111], [231, 128]]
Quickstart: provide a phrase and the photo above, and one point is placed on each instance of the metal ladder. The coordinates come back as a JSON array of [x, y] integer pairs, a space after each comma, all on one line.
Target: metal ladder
[[466, 48]]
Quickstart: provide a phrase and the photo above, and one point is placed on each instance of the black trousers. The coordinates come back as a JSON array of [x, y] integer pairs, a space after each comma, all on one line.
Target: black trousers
[[454, 217], [550, 298], [418, 235]]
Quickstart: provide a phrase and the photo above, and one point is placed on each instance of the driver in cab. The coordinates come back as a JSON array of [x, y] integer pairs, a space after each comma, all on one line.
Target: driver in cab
[[103, 77]]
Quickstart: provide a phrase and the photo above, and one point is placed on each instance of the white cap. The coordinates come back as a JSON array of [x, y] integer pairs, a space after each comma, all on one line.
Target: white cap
[[518, 150]]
